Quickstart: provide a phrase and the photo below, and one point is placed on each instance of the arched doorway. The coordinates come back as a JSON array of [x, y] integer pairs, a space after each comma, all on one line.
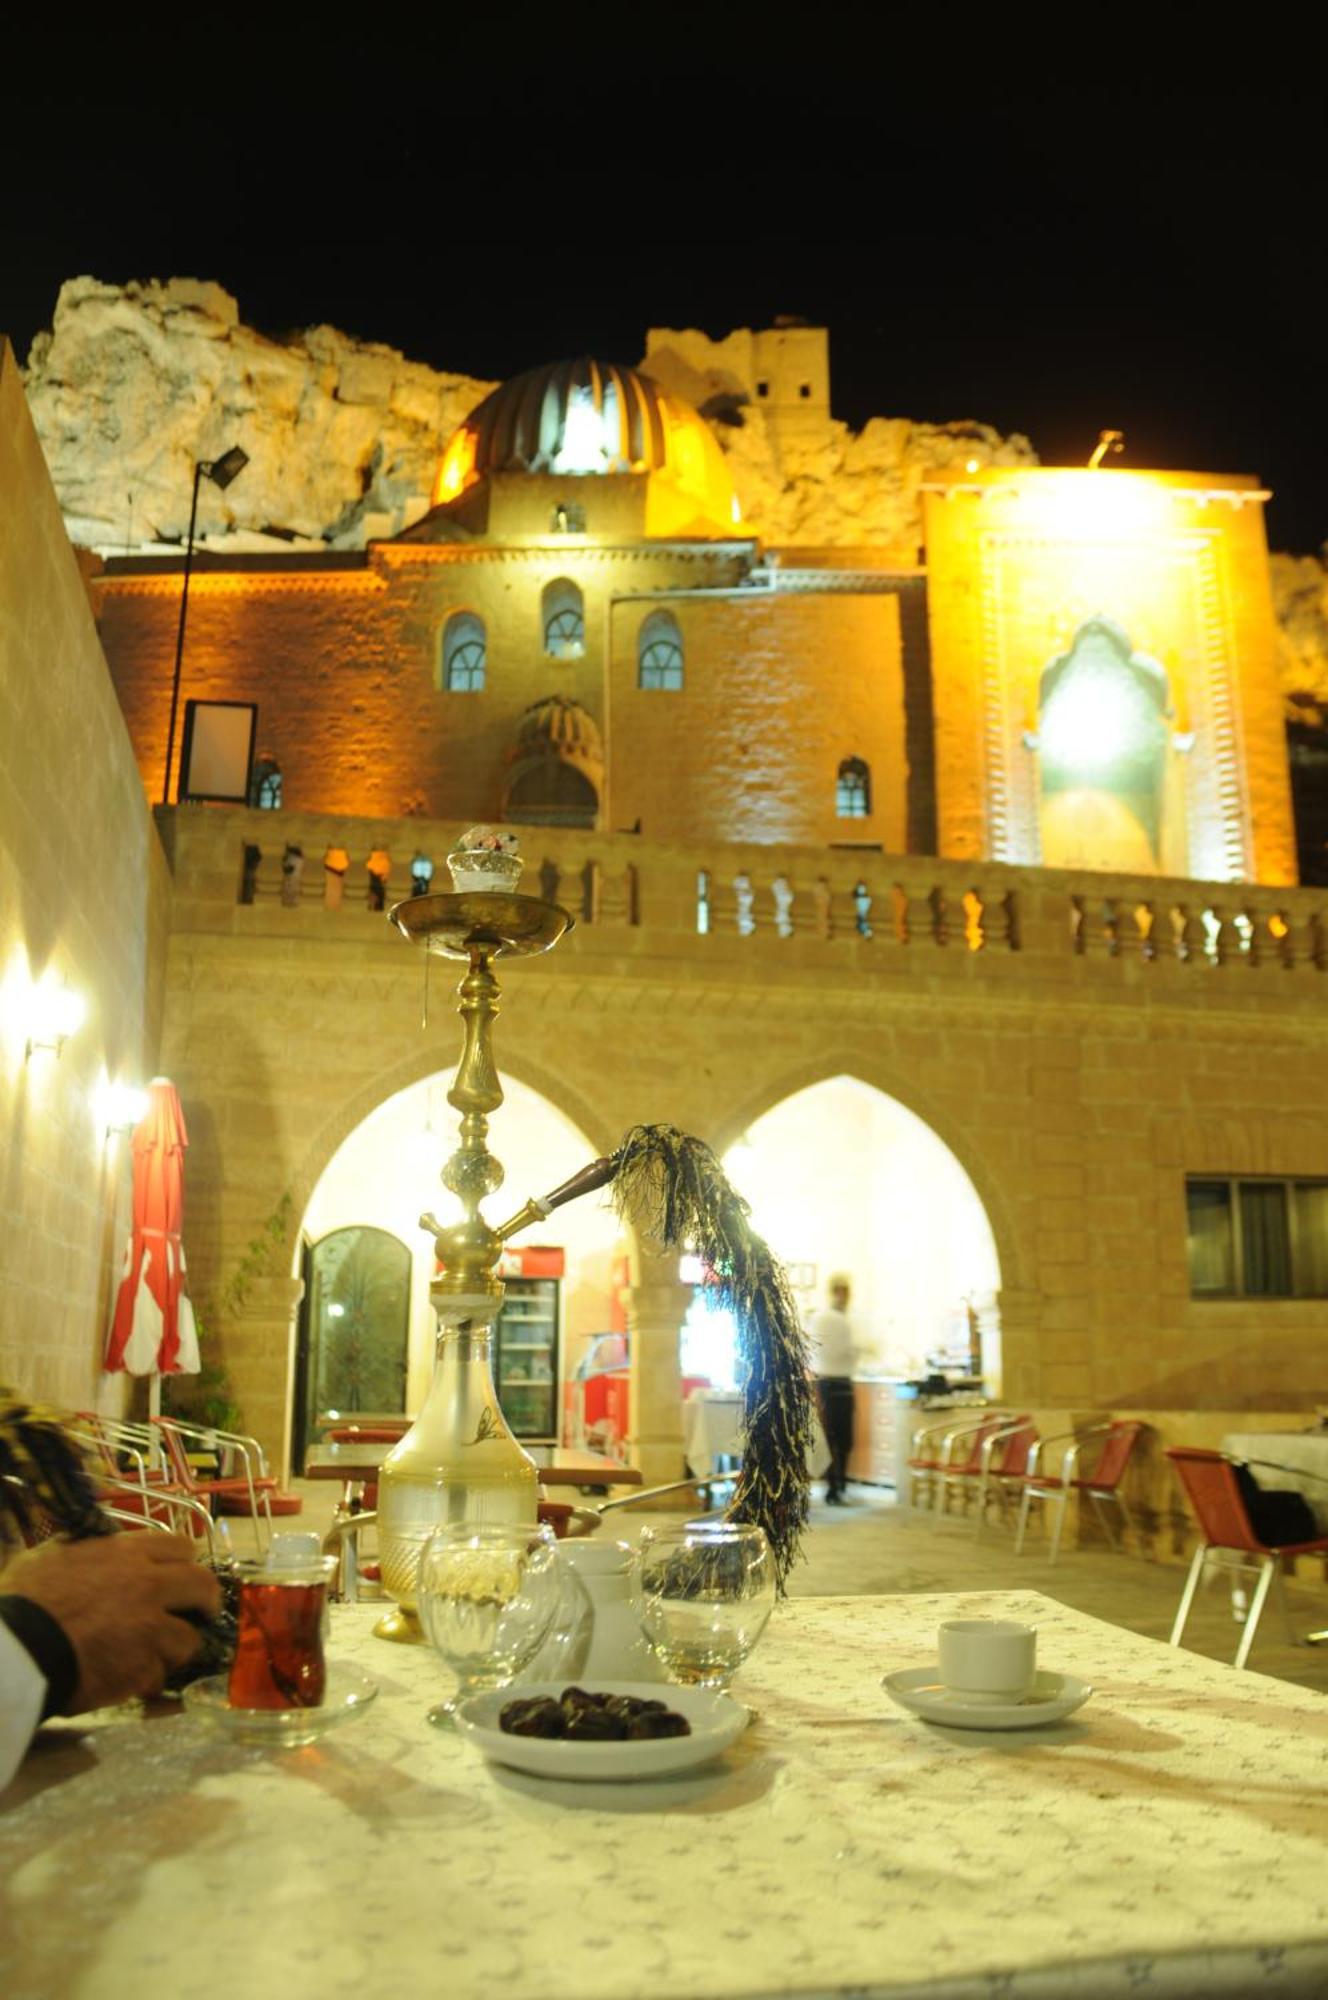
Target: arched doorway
[[354, 1328], [845, 1179], [385, 1172]]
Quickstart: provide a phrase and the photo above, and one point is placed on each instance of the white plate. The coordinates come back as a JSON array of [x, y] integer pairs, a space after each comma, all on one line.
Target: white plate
[[717, 1720], [922, 1692], [346, 1695]]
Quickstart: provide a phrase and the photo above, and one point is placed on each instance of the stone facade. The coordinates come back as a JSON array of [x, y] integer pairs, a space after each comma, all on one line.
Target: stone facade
[[345, 663]]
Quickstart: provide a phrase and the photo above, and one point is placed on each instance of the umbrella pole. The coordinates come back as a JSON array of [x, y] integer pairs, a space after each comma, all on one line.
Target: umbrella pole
[[154, 1410]]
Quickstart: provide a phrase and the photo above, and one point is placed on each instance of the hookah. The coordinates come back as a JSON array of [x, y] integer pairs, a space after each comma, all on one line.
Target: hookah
[[460, 1460]]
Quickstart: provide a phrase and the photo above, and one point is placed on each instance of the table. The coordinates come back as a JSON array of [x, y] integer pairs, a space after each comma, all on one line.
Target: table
[[557, 1465], [1302, 1459], [712, 1428], [1171, 1838]]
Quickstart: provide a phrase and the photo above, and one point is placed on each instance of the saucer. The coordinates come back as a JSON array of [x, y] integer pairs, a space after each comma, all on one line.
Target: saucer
[[347, 1695], [922, 1692]]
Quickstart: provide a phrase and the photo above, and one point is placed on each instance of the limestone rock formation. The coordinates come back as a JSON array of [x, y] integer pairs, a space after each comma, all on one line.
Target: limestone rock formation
[[133, 384], [810, 480]]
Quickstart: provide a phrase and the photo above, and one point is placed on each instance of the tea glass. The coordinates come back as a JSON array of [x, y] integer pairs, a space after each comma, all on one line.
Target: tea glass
[[704, 1593], [487, 1593], [279, 1639]]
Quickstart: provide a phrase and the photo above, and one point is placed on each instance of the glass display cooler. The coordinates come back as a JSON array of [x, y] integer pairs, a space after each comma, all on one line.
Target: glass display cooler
[[527, 1341]]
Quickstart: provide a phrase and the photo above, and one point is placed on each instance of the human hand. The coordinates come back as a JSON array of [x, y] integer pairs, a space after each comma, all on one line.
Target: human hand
[[113, 1596]]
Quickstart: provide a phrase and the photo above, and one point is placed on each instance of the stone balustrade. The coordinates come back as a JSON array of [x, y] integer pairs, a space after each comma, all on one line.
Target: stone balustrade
[[748, 899]]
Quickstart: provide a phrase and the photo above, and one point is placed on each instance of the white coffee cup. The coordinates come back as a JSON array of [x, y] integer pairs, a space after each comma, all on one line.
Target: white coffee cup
[[988, 1660]]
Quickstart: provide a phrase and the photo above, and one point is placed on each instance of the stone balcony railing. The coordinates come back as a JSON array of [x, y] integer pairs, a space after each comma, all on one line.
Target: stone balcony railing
[[265, 873]]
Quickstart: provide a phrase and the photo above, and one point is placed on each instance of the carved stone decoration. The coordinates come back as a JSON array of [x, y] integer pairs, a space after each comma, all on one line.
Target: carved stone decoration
[[556, 768]]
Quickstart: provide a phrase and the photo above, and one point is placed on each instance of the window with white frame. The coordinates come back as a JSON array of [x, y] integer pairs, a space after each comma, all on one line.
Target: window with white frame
[[464, 653], [659, 652], [563, 612], [853, 789]]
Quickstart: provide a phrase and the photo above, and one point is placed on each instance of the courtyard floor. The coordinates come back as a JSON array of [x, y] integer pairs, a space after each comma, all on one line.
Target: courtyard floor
[[872, 1546]]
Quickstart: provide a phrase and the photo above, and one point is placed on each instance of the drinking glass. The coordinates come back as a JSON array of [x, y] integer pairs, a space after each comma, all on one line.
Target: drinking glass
[[487, 1595], [705, 1591]]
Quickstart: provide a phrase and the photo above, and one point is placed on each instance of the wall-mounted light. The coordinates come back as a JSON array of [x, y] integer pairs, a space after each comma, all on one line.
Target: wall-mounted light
[[55, 1013], [118, 1107], [1108, 444]]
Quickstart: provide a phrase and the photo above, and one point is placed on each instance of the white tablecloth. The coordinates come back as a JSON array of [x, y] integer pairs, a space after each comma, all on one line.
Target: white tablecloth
[[712, 1429], [1170, 1839], [1302, 1457]]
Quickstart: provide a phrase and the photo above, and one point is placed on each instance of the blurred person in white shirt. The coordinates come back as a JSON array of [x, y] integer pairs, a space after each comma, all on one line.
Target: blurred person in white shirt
[[833, 1354]]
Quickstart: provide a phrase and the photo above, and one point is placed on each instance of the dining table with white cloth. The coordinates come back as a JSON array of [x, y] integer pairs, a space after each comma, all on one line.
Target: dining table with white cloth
[[713, 1430], [1171, 1838], [1296, 1461]]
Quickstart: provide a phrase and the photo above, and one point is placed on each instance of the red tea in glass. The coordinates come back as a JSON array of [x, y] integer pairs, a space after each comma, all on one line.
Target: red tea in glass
[[279, 1652]]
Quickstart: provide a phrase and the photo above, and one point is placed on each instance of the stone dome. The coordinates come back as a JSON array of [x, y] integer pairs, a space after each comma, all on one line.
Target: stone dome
[[585, 418]]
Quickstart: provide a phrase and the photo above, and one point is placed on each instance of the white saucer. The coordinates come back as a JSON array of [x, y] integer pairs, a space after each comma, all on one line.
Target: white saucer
[[922, 1692], [717, 1720]]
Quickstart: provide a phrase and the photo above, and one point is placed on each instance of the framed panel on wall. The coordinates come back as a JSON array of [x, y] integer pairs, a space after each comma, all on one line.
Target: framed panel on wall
[[217, 756]]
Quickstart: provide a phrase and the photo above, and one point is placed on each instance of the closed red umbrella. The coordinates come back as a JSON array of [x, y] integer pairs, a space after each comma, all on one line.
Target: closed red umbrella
[[153, 1330]]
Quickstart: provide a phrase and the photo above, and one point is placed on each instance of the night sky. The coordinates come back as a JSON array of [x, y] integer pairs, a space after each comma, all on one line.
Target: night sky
[[1143, 260]]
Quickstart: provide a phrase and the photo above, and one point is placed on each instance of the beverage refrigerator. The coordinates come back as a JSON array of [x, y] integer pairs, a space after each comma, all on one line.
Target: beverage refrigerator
[[528, 1341]]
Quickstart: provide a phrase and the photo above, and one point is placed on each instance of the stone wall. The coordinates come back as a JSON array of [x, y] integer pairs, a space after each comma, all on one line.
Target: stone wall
[[1076, 1065], [84, 900], [344, 664]]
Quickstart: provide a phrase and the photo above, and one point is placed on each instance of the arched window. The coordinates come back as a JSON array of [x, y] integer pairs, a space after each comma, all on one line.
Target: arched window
[[464, 653], [564, 615], [853, 789], [659, 652]]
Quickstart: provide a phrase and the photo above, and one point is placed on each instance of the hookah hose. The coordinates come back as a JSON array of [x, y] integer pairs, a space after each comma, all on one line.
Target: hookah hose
[[671, 1187], [47, 1491]]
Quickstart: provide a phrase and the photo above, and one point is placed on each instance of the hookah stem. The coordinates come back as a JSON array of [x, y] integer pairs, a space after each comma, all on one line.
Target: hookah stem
[[597, 1175]]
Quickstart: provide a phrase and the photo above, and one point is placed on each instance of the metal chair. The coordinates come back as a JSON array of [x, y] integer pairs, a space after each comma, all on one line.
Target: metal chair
[[1212, 1488], [961, 1474], [1100, 1486], [244, 1494], [1006, 1457], [926, 1463]]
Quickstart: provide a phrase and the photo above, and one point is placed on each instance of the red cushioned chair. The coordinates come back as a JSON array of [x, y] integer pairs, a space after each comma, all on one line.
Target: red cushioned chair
[[968, 1455], [1006, 1458], [1211, 1487], [250, 1494], [1101, 1486]]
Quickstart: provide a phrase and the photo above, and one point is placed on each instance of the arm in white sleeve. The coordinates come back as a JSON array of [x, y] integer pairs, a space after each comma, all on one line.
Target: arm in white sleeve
[[22, 1695]]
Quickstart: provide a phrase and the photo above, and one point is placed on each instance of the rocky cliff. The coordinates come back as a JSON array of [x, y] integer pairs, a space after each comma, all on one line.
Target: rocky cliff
[[133, 384]]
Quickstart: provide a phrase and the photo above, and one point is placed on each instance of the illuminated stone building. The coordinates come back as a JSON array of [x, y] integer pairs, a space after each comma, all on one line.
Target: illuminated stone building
[[989, 842]]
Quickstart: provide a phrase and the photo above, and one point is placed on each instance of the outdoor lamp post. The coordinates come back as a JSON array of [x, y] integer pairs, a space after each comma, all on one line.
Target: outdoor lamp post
[[220, 471]]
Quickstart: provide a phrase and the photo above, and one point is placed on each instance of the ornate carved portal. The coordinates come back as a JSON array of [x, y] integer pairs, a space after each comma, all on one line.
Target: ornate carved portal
[[1107, 793], [1177, 803]]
